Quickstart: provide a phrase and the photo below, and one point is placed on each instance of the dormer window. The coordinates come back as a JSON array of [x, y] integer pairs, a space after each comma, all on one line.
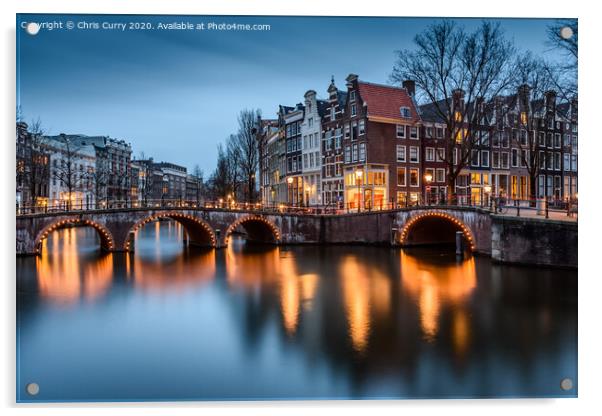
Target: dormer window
[[352, 96], [405, 112]]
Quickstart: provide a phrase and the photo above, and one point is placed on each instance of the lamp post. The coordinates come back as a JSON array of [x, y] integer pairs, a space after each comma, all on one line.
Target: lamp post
[[358, 180], [289, 180], [428, 178]]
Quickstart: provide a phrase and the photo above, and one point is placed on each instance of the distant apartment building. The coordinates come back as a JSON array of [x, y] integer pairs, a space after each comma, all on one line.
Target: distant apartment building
[[311, 133], [33, 170], [269, 172], [291, 122], [332, 148]]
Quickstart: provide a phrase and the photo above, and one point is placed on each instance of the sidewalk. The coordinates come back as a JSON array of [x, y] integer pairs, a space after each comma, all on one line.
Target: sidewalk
[[556, 215]]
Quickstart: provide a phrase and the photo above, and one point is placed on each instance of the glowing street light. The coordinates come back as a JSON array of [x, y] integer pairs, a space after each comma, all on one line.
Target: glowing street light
[[428, 178]]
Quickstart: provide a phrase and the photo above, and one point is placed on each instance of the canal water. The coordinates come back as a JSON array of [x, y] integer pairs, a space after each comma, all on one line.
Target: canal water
[[305, 322]]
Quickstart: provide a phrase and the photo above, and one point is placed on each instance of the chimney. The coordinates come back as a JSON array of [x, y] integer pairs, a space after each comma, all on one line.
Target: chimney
[[458, 99], [523, 97], [410, 86], [574, 103], [550, 100]]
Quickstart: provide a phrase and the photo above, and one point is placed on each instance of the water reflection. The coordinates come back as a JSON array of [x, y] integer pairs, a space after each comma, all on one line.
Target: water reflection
[[286, 322], [65, 274], [437, 283]]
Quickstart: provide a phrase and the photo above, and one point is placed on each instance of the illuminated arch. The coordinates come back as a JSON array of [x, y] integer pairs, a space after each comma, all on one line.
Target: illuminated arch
[[461, 226], [198, 230], [106, 238], [249, 219]]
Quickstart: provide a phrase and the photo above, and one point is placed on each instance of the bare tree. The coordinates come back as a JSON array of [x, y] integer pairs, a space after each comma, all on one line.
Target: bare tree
[[198, 173], [456, 72], [32, 162], [533, 82], [221, 181], [563, 36], [245, 145], [66, 171]]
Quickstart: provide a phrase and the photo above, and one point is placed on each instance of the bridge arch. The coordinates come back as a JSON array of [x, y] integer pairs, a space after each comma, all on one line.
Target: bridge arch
[[420, 227], [107, 241], [199, 231], [258, 229]]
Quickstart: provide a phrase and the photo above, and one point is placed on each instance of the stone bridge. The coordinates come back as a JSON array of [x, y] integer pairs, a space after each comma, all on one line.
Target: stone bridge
[[212, 227]]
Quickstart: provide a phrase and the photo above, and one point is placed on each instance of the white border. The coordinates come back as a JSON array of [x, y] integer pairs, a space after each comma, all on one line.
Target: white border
[[590, 288]]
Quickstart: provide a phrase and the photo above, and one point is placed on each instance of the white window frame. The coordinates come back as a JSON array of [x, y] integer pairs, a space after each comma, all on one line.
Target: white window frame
[[417, 148]]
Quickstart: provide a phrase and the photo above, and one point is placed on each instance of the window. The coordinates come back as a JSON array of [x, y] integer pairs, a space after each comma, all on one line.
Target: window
[[542, 139], [567, 140], [567, 161], [485, 138], [495, 162], [353, 110], [401, 153], [401, 176], [557, 140], [505, 139], [414, 178], [414, 156], [347, 131], [305, 165], [328, 140], [505, 160], [354, 130], [440, 177], [574, 163], [524, 157], [352, 96], [354, 153], [440, 154], [474, 158], [430, 154], [401, 131], [550, 160], [455, 156], [405, 112], [523, 137], [362, 127], [439, 132], [485, 158], [347, 154], [362, 151], [429, 132], [413, 132], [542, 159], [557, 160], [338, 138], [549, 140], [332, 113], [310, 122], [514, 158], [496, 139]]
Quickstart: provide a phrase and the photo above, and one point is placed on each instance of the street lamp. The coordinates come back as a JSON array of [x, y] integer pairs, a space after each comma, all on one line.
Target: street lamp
[[358, 180], [290, 186], [428, 178]]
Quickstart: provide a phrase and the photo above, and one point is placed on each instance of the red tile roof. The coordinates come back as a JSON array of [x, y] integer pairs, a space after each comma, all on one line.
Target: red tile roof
[[384, 102]]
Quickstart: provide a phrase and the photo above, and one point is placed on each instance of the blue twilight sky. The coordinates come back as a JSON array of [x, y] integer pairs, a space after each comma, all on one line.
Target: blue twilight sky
[[175, 94]]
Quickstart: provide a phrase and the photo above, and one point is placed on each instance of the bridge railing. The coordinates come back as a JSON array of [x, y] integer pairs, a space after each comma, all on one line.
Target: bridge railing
[[497, 205]]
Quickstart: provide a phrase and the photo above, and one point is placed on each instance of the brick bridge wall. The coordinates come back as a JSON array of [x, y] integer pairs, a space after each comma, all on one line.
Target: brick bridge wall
[[212, 227]]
